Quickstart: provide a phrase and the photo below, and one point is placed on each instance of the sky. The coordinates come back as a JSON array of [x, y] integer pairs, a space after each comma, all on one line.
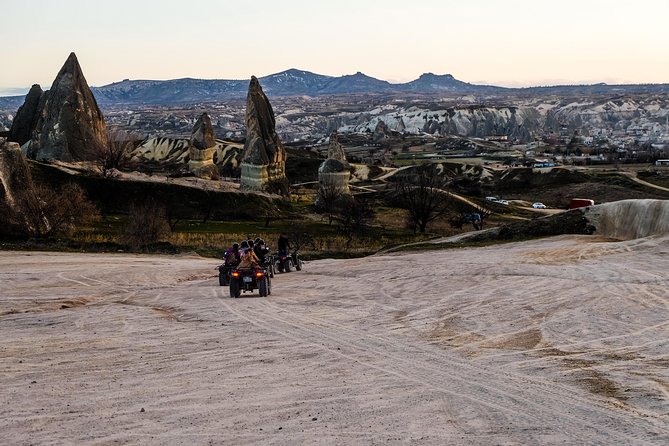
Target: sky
[[507, 43]]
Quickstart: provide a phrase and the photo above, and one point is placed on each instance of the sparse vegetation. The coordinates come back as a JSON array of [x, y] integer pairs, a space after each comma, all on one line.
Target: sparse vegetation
[[117, 153], [424, 198], [40, 211], [329, 200], [147, 224]]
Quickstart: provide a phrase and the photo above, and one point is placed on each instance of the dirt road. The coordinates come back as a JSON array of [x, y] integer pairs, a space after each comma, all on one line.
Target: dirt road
[[556, 341]]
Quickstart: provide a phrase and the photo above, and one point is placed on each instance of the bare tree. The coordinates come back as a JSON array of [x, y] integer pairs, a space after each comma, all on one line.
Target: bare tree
[[147, 223], [300, 236], [423, 196], [356, 213], [118, 151], [41, 211], [329, 200]]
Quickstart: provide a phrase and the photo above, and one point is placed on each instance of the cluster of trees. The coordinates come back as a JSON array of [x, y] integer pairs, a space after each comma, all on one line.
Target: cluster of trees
[[424, 195], [354, 213]]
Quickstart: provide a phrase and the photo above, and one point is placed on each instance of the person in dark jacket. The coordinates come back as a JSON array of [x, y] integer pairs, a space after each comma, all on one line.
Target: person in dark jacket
[[232, 255], [283, 245], [261, 250]]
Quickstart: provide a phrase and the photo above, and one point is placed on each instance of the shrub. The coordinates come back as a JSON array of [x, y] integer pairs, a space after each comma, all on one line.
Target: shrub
[[147, 224]]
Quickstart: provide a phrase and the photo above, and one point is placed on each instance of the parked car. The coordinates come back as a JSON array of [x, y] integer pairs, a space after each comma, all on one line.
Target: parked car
[[504, 202], [539, 206], [576, 203]]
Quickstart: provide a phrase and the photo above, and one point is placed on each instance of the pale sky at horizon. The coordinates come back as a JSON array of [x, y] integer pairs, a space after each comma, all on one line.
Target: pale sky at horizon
[[508, 43]]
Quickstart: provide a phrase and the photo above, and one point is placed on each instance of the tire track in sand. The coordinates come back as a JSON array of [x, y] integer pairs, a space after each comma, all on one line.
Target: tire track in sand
[[449, 377]]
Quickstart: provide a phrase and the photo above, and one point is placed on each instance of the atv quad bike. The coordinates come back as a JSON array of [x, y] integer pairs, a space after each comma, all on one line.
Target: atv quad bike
[[248, 280], [288, 262]]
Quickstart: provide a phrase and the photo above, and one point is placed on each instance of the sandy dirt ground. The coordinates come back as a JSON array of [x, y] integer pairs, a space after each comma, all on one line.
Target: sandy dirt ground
[[555, 341]]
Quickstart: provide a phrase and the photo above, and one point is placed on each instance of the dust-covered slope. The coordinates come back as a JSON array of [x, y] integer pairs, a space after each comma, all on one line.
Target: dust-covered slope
[[554, 342], [630, 219]]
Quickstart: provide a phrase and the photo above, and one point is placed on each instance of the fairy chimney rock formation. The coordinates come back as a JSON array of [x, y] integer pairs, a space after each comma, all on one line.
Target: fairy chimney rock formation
[[381, 132], [201, 148], [334, 172], [263, 166], [70, 126], [336, 150], [26, 117]]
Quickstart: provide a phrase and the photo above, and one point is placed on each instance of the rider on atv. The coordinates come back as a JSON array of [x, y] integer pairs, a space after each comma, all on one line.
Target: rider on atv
[[260, 250], [283, 245], [232, 256], [248, 257]]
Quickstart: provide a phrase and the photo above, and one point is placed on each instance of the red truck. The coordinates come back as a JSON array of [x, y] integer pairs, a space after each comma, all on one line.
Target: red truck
[[580, 203]]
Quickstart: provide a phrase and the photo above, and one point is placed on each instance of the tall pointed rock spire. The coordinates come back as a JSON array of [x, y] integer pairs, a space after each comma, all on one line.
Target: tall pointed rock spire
[[70, 126], [263, 145], [264, 157]]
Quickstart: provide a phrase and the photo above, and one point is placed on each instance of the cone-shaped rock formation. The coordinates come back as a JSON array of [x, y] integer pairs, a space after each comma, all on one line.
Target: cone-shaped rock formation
[[203, 136], [336, 150], [201, 148], [381, 131], [334, 173], [26, 117], [71, 126], [264, 159]]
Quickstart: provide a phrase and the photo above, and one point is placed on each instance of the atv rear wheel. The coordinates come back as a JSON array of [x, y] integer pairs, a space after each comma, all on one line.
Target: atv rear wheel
[[263, 287], [298, 265]]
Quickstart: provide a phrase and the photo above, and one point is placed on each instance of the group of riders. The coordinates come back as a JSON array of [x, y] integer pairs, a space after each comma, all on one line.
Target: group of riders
[[254, 253]]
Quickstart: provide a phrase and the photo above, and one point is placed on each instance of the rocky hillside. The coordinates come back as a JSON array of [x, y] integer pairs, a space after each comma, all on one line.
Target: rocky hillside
[[521, 119]]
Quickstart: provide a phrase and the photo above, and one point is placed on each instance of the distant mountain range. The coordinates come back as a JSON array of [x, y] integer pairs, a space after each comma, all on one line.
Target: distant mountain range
[[295, 82], [287, 83]]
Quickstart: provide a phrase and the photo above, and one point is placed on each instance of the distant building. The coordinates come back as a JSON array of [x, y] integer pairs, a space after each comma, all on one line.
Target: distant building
[[498, 138], [662, 163]]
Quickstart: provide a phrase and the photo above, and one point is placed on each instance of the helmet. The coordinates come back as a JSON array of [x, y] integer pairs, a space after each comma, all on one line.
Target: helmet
[[235, 246], [250, 243], [260, 242], [257, 240], [245, 244]]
